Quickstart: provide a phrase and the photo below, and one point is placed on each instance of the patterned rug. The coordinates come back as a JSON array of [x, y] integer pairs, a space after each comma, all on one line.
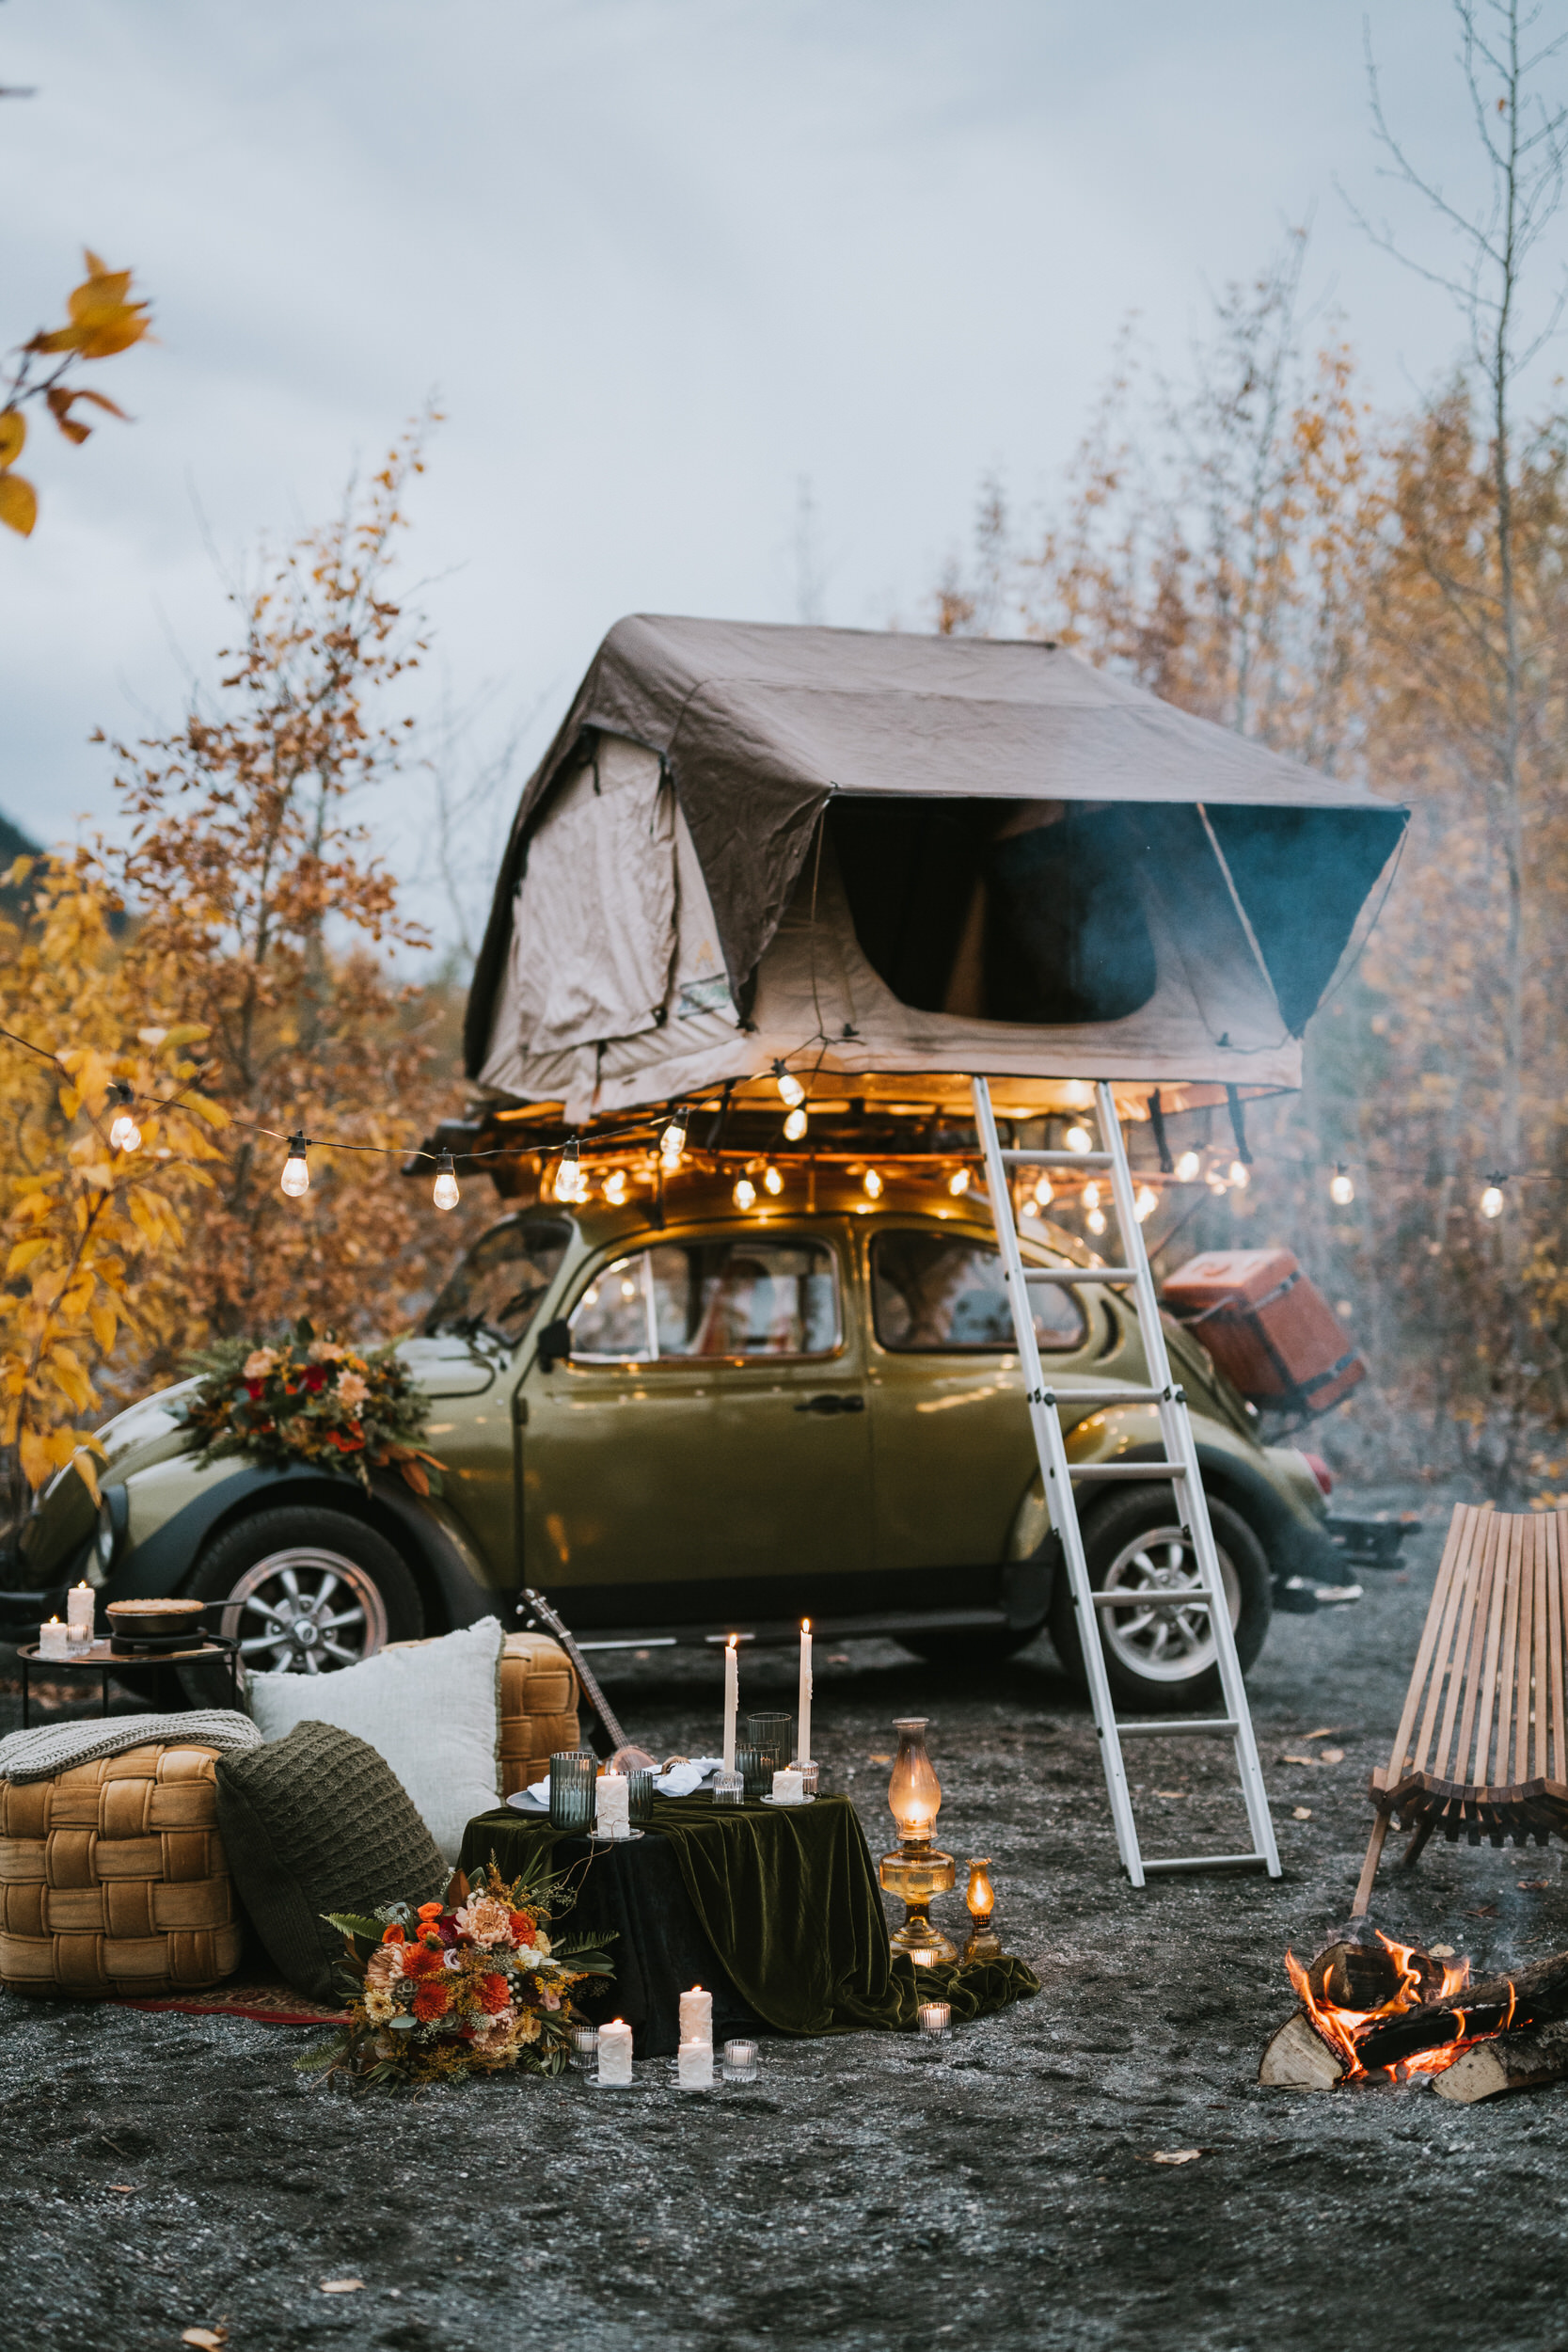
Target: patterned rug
[[269, 2000]]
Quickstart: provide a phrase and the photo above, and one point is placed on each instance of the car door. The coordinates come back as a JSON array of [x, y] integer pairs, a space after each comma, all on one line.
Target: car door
[[705, 1451], [951, 1442]]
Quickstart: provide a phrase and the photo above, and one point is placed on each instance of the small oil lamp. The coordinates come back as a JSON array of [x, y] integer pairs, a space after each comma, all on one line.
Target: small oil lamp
[[980, 1896], [916, 1870]]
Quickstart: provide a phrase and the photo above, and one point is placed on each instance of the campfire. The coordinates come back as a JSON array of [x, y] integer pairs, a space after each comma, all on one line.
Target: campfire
[[1389, 2011]]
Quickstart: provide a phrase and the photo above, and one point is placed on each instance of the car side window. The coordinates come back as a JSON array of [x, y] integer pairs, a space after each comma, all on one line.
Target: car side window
[[934, 1293], [745, 1297], [497, 1286]]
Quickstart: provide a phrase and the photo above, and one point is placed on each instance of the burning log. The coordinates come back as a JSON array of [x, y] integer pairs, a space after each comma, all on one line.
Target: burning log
[[1298, 2059], [1510, 2061], [1393, 2007]]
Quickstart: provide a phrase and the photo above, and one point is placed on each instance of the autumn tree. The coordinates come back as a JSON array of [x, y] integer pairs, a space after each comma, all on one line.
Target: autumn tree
[[102, 320]]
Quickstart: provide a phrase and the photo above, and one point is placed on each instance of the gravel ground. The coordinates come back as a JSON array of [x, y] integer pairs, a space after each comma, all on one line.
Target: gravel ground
[[169, 2171]]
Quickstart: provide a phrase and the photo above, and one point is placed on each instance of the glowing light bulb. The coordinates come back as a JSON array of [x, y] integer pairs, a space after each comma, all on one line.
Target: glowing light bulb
[[446, 1194], [1187, 1167], [1031, 1209], [1239, 1174], [125, 1136], [1044, 1193], [629, 1288], [1492, 1201], [873, 1183], [771, 1181], [672, 1143], [1091, 1195], [790, 1087], [1096, 1220], [1079, 1139], [1341, 1191], [795, 1126], [570, 1181], [958, 1183], [1145, 1203], [1079, 1095], [745, 1193], [615, 1187], [296, 1179]]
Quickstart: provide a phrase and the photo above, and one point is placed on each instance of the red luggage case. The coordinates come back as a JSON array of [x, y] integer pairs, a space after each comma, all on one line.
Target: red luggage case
[[1269, 1328]]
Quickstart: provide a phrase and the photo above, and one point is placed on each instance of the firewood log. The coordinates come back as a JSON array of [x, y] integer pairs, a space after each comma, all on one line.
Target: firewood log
[[1297, 2058], [1510, 2061]]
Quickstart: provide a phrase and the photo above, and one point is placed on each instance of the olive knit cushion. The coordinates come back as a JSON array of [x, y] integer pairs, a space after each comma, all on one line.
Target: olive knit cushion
[[113, 1879], [317, 1822]]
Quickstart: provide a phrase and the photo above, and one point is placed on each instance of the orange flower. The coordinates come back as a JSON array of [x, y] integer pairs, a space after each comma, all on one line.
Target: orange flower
[[494, 1993], [432, 1999], [522, 1927], [429, 1911], [394, 1934], [424, 1961]]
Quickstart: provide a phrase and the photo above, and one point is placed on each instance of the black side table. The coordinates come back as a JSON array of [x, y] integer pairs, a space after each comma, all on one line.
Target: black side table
[[109, 1663]]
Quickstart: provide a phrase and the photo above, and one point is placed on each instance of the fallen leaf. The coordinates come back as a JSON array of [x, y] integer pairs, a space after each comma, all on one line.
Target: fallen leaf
[[340, 2286], [1299, 1759], [207, 2339], [1331, 1755], [1324, 1731], [1440, 1951], [879, 1759], [1483, 1911], [1302, 1813], [1169, 1792], [123, 2188], [1532, 1887], [1175, 2156]]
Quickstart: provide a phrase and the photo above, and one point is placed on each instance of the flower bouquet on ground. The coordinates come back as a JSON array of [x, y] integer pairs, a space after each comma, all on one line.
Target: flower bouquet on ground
[[442, 1993], [306, 1398]]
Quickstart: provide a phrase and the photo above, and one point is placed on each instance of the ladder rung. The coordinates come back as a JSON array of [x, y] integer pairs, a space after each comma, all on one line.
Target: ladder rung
[[1056, 1159], [1209, 1861], [1184, 1729], [1114, 1396], [1076, 1274], [1127, 1599], [1126, 1470]]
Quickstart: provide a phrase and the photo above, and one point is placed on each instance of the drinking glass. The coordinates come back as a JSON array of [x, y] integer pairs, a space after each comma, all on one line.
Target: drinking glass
[[756, 1767], [774, 1736], [573, 1774], [640, 1796]]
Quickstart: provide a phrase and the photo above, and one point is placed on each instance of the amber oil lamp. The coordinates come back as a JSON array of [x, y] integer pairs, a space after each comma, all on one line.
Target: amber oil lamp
[[980, 1896], [916, 1869]]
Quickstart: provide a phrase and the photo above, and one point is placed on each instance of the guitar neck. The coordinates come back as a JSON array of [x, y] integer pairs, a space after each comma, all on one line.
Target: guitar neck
[[586, 1676]]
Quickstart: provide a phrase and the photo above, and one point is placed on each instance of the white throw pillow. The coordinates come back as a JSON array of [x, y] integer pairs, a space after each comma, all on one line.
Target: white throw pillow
[[431, 1709]]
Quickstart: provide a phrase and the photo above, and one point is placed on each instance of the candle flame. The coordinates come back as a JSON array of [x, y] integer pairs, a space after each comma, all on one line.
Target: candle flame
[[734, 1638], [805, 1625]]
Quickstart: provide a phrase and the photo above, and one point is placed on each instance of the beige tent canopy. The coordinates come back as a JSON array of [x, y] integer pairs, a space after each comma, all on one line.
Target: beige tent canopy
[[857, 852]]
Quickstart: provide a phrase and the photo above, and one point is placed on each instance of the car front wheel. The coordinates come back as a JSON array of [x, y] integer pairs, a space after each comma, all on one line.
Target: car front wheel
[[307, 1591], [1163, 1657]]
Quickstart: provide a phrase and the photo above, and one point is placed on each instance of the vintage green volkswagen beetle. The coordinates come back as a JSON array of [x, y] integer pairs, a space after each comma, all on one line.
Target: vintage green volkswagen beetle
[[722, 1421]]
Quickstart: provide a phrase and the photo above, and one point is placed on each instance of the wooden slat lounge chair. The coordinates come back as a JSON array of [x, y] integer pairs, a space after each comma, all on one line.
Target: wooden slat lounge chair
[[1482, 1749]]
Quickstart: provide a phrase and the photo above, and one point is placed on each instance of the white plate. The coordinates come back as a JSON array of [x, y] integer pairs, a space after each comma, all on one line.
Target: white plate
[[787, 1804]]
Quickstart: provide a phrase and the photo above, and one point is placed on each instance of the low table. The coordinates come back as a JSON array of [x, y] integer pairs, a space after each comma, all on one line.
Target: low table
[[774, 1910], [109, 1662]]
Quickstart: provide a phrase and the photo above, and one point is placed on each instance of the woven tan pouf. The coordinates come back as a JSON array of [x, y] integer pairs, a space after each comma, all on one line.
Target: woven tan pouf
[[539, 1708], [113, 1879]]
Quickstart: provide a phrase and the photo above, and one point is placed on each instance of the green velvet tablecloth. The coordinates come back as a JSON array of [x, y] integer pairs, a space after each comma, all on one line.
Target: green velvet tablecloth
[[788, 1899]]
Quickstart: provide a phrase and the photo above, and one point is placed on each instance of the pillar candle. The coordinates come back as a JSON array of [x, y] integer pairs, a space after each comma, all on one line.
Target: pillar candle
[[789, 1787], [732, 1702], [54, 1639], [803, 1708], [697, 2016], [615, 2053], [613, 1815], [694, 2065], [81, 1606]]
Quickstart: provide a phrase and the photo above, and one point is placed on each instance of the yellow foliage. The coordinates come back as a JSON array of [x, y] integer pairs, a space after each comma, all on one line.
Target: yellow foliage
[[103, 321]]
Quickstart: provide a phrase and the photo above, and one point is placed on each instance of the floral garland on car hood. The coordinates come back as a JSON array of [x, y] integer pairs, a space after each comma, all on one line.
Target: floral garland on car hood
[[303, 1399], [447, 1991]]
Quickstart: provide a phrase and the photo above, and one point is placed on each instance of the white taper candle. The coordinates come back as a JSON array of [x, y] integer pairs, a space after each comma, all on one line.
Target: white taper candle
[[732, 1702], [803, 1728]]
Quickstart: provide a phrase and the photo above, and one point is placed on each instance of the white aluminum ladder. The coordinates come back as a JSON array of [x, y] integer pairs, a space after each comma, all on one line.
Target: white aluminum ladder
[[1177, 1467]]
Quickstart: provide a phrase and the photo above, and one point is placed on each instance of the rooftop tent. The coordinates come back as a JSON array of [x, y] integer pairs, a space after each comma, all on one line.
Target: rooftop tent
[[893, 853]]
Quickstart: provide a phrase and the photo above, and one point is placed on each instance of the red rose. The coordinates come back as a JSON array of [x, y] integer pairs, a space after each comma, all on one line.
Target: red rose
[[315, 1378], [253, 1389]]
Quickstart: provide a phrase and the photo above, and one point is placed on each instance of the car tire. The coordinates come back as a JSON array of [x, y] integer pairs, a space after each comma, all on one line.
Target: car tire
[[309, 1590], [1135, 1539]]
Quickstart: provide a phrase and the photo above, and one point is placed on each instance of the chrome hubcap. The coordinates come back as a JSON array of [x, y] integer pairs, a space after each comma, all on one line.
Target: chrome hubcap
[[305, 1610], [1163, 1644]]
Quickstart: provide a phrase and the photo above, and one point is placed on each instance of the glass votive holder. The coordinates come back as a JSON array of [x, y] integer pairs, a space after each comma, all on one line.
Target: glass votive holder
[[935, 2020], [756, 1768], [808, 1775], [574, 1794], [773, 1736], [741, 2062], [640, 1795], [728, 1787], [585, 2049]]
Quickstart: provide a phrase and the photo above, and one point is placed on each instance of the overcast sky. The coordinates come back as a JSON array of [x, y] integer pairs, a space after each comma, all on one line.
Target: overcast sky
[[662, 258]]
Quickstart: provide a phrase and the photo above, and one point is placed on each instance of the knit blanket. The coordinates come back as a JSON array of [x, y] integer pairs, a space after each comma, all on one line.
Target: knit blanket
[[40, 1752]]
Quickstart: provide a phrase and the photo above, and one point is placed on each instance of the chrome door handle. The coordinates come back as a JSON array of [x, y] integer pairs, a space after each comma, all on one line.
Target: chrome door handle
[[832, 1403]]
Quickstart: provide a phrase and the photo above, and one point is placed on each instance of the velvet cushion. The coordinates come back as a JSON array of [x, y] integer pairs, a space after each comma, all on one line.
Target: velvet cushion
[[315, 1822]]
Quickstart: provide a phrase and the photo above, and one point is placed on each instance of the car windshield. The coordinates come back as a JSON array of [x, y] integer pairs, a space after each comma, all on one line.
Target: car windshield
[[931, 1294], [497, 1286]]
